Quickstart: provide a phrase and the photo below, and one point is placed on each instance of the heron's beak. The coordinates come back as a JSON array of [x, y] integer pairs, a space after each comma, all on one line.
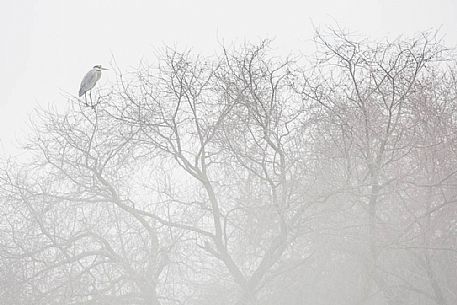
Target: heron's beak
[[104, 69]]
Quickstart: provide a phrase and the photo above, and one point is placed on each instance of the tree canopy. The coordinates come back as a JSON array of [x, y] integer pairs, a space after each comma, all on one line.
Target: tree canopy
[[244, 178]]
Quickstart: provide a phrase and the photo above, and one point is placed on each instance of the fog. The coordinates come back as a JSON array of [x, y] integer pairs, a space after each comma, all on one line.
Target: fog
[[233, 153]]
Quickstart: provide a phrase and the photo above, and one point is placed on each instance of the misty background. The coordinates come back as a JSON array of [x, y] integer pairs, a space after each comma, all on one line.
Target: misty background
[[235, 153], [48, 46]]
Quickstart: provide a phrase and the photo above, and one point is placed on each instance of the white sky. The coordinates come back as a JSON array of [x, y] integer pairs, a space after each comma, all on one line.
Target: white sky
[[48, 45]]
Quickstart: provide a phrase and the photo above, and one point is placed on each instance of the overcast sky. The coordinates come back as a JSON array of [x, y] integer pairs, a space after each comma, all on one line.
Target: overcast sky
[[48, 45]]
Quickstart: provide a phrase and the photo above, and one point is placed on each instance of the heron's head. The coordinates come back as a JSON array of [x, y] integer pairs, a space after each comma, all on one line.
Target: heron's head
[[99, 68]]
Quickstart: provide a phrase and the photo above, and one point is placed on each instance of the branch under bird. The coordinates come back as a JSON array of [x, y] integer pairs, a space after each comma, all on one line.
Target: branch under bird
[[89, 81]]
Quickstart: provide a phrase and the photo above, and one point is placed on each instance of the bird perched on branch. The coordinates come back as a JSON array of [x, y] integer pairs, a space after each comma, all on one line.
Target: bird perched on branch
[[89, 82]]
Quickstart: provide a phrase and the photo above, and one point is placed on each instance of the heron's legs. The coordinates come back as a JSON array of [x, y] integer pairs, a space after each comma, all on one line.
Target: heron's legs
[[91, 105], [85, 99], [91, 102]]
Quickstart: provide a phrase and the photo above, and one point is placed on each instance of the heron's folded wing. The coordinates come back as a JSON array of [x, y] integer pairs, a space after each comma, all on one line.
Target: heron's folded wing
[[88, 82]]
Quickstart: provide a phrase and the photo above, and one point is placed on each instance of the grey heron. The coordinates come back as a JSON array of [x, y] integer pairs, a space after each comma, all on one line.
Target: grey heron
[[89, 81]]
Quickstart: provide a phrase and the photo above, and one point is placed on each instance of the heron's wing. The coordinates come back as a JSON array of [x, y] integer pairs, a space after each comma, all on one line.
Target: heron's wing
[[89, 81]]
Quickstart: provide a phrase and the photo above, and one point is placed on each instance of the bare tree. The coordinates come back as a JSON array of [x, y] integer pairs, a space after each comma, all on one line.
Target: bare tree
[[367, 92], [84, 240], [244, 178]]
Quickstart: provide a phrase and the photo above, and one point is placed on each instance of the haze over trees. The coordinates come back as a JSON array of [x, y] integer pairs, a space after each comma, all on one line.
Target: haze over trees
[[244, 178]]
